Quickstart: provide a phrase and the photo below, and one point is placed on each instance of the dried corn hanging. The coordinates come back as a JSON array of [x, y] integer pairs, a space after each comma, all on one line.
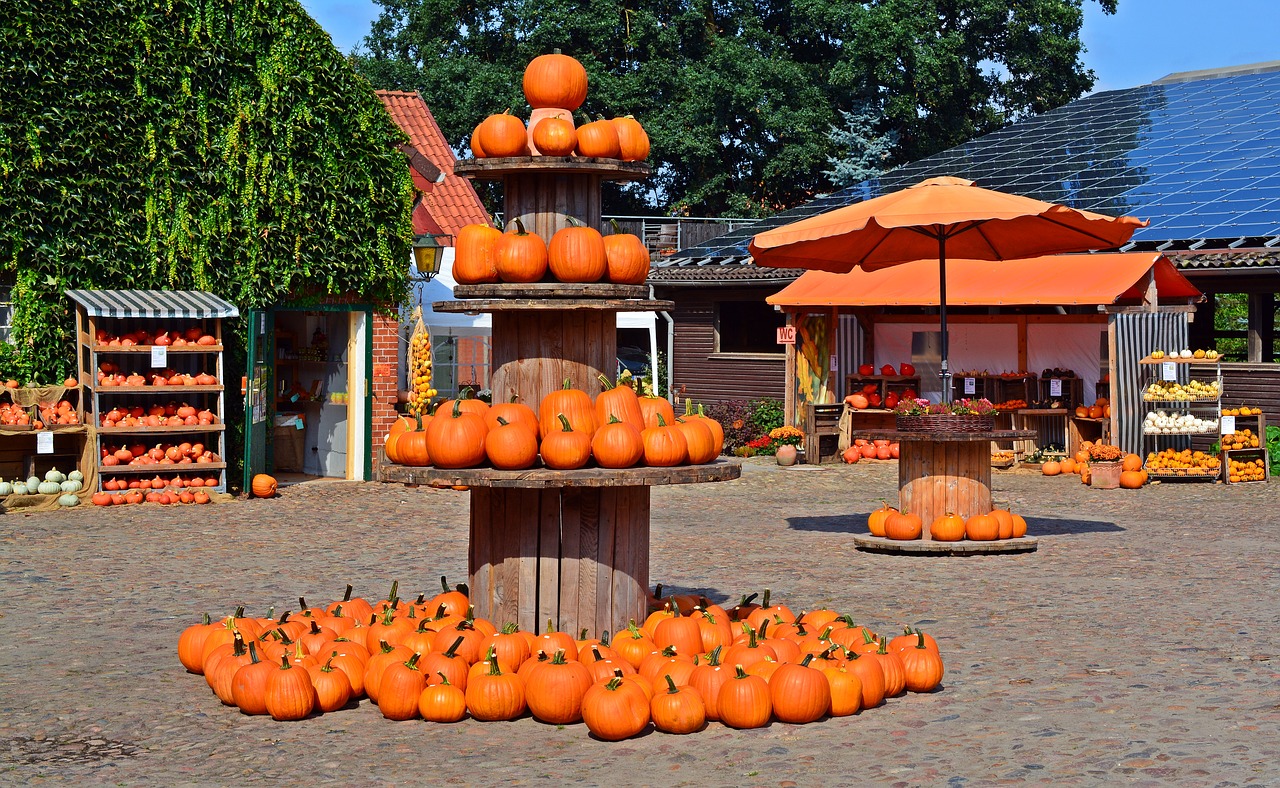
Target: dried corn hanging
[[421, 392]]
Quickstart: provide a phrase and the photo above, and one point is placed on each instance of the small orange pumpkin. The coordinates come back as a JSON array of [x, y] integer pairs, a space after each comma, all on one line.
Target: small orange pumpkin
[[982, 528], [947, 528], [555, 136], [1051, 468], [599, 140], [903, 525], [519, 256], [503, 136], [263, 486], [875, 521]]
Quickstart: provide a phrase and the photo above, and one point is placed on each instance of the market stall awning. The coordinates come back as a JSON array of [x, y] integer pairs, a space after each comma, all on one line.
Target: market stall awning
[[1054, 280], [152, 303]]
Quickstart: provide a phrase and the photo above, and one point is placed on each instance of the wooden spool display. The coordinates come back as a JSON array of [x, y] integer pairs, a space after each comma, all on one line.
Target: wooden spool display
[[567, 546]]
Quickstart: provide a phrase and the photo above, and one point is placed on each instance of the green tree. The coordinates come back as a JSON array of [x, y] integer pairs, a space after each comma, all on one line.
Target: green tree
[[862, 151], [740, 98]]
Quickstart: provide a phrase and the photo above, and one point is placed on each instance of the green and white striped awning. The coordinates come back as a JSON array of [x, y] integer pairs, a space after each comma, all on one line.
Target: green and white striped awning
[[152, 303]]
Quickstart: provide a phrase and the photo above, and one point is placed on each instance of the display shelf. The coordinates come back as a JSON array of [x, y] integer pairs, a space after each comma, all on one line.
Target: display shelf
[[1252, 454], [885, 384], [1150, 360], [162, 430], [880, 544], [155, 468], [500, 168], [591, 290], [153, 389], [1072, 391], [717, 471], [549, 304], [103, 350]]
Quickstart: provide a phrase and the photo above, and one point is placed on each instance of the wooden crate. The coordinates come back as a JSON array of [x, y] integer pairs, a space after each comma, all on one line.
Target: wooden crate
[[1246, 454], [822, 432]]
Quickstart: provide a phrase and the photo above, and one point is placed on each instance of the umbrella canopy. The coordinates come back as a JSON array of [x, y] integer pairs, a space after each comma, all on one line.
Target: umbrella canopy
[[931, 220]]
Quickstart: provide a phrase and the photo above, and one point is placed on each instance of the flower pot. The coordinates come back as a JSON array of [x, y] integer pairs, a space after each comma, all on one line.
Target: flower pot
[[786, 455], [1105, 475]]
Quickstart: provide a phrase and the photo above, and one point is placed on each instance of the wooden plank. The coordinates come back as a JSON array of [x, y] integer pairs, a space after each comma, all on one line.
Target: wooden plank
[[479, 567], [548, 605], [541, 166], [537, 304], [516, 516], [570, 548], [587, 558], [605, 567], [528, 559], [595, 290], [716, 471]]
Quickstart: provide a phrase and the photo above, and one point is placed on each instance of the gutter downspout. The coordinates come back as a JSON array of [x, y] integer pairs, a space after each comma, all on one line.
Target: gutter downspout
[[671, 343]]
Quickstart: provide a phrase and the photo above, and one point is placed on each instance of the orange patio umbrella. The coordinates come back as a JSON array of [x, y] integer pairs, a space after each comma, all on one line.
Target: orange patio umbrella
[[932, 219]]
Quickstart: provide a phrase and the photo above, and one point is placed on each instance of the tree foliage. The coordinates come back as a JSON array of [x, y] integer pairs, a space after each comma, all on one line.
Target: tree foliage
[[219, 145], [740, 97]]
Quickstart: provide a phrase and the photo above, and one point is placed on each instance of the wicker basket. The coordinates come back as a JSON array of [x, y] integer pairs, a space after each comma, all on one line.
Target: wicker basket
[[945, 423]]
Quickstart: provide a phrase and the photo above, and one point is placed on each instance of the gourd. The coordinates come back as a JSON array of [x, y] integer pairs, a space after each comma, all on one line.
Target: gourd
[[71, 486], [68, 500], [33, 482], [48, 488], [76, 476], [263, 486], [20, 488], [55, 475], [6, 488]]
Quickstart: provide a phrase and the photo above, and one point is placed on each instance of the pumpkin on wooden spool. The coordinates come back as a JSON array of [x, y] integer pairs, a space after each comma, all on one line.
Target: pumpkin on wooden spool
[[410, 448], [576, 406], [982, 528], [617, 444], [1019, 526], [626, 257], [652, 407], [1081, 412], [554, 136], [618, 400], [1133, 480], [511, 446], [576, 254], [664, 445], [503, 136], [565, 449], [717, 429], [699, 440], [1005, 519], [1095, 411], [555, 80], [455, 439], [514, 412], [903, 526], [947, 528], [263, 486], [473, 261], [520, 256], [633, 140], [875, 520], [477, 150], [1051, 468], [599, 140]]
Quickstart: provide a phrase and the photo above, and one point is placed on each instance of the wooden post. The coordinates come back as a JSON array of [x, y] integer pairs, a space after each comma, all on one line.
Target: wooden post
[[789, 395]]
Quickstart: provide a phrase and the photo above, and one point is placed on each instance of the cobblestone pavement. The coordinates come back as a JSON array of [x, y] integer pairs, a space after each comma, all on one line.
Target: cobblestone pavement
[[1139, 645]]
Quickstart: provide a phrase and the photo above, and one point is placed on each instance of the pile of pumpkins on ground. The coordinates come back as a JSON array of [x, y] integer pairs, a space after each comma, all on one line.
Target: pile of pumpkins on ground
[[568, 431], [55, 482], [1132, 474], [863, 449], [690, 662], [555, 85], [997, 524]]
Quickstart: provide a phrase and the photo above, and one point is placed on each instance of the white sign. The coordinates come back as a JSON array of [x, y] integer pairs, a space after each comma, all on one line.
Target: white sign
[[786, 335], [835, 363], [1169, 371], [1228, 425], [44, 442], [1055, 387], [159, 356], [970, 386]]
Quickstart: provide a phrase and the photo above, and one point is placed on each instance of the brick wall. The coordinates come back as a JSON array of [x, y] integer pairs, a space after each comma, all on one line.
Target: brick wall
[[386, 376]]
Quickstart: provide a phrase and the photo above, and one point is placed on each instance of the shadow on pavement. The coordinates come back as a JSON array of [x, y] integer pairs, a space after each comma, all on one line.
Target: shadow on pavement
[[1036, 526]]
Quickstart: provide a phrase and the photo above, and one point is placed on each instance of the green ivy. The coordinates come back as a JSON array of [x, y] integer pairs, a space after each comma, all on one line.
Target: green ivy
[[218, 145]]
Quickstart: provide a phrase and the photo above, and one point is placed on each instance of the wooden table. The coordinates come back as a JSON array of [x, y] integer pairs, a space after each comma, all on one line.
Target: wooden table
[[944, 472]]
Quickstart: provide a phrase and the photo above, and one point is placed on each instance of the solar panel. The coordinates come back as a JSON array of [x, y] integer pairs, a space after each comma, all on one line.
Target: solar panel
[[1199, 160]]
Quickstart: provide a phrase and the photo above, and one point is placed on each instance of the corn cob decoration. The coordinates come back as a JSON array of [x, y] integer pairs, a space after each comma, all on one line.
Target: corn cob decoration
[[421, 392]]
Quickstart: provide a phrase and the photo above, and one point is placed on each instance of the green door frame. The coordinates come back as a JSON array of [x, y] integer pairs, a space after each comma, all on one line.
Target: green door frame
[[368, 383]]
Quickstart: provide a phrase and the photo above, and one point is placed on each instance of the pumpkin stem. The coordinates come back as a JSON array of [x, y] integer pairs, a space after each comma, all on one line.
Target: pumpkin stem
[[385, 646], [453, 650], [739, 673], [604, 382], [412, 664], [713, 658], [239, 612], [422, 625], [501, 421], [826, 634], [804, 663], [315, 628], [443, 679], [669, 651], [302, 603], [564, 422], [283, 637], [421, 598], [253, 652], [661, 421], [764, 627], [463, 589], [440, 612], [657, 591], [558, 657], [605, 637], [395, 589], [595, 652], [519, 226], [327, 667], [457, 408], [884, 646], [866, 637], [444, 583], [920, 642], [567, 384], [509, 628], [238, 648], [271, 611], [205, 618], [346, 597], [284, 662], [672, 689], [614, 683], [337, 612], [765, 602]]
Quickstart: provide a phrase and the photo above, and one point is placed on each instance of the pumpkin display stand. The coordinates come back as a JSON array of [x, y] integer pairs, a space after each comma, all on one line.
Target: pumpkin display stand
[[944, 473], [571, 547]]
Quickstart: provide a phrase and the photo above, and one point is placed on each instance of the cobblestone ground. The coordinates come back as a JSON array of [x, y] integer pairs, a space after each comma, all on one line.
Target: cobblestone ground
[[1139, 645]]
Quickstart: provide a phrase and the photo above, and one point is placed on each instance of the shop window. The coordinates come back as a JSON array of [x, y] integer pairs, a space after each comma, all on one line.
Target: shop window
[[6, 311], [748, 327], [459, 362]]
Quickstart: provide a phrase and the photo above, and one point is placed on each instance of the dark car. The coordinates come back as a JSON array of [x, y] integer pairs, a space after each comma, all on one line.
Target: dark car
[[634, 360]]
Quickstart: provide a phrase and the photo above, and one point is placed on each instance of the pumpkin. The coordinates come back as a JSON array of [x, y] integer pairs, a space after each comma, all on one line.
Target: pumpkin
[[514, 412], [333, 688], [477, 150], [633, 140], [895, 679], [511, 447], [744, 701], [249, 683], [652, 407], [851, 455], [442, 702], [456, 439], [565, 449], [717, 430], [903, 525], [875, 520], [473, 260], [846, 690], [263, 486], [1132, 480], [679, 632], [446, 664], [410, 448], [400, 687], [555, 80], [867, 669], [289, 694], [799, 693], [555, 136], [664, 445], [617, 400], [1131, 462], [1019, 527], [510, 647], [495, 695], [626, 257], [520, 256], [947, 528], [1051, 468], [922, 666], [617, 444], [503, 136], [554, 689], [982, 528], [678, 710], [615, 710], [599, 140], [191, 644], [1067, 465], [576, 406], [576, 254], [700, 443]]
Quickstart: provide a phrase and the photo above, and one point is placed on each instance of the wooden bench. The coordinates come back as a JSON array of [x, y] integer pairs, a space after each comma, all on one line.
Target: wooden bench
[[822, 432]]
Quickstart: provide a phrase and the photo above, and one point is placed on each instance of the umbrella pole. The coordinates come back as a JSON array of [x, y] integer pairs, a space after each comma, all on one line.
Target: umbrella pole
[[945, 373]]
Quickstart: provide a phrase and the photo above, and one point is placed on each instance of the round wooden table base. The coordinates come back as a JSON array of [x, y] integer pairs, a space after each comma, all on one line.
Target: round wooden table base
[[879, 544]]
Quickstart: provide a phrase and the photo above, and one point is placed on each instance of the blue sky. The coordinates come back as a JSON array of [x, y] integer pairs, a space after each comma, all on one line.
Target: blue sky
[[1143, 41]]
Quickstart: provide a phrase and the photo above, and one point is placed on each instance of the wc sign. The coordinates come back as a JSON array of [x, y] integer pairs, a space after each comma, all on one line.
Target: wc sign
[[786, 335]]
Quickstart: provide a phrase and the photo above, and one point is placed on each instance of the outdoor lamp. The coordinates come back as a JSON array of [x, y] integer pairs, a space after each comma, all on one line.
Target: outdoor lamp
[[427, 252]]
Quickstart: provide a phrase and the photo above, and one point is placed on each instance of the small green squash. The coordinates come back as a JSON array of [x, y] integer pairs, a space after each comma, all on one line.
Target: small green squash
[[68, 500]]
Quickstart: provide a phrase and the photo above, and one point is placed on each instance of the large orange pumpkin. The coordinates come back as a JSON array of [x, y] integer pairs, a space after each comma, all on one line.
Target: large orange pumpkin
[[620, 401], [947, 528], [555, 136], [626, 258], [633, 140], [598, 140], [1005, 518], [1068, 465], [903, 525], [410, 448], [575, 404], [982, 528], [473, 261], [263, 486], [519, 256], [504, 135], [455, 438], [1051, 468], [1132, 480], [565, 449], [576, 254], [555, 80], [1131, 462]]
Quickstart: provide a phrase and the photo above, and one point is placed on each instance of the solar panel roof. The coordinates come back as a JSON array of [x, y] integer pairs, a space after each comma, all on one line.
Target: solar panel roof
[[1200, 160]]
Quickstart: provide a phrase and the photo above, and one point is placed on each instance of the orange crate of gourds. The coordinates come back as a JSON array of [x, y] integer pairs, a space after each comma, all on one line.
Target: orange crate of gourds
[[620, 429], [1252, 470], [689, 663]]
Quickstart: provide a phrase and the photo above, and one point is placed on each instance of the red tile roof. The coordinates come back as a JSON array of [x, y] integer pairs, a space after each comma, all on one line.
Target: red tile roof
[[447, 206]]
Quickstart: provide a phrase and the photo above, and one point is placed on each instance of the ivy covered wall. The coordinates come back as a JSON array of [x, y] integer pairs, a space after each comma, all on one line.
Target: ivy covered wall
[[219, 145]]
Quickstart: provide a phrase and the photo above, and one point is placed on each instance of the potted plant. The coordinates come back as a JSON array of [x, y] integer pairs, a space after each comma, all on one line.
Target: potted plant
[[785, 442], [964, 415], [1105, 466]]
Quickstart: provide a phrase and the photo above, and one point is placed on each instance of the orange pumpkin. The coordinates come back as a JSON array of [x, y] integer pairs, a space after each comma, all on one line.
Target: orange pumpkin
[[519, 256], [576, 406], [633, 140], [565, 449], [263, 486], [982, 528], [617, 444], [1068, 465], [1132, 480], [1005, 518], [477, 150], [555, 136], [947, 528], [473, 261], [903, 525], [875, 521], [555, 80], [1019, 526], [599, 140], [576, 254], [664, 445], [504, 135], [455, 438], [626, 258], [1131, 462], [511, 445], [1051, 468]]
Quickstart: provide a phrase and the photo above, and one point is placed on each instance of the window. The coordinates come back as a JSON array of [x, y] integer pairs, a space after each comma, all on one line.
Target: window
[[460, 362], [6, 312], [748, 327]]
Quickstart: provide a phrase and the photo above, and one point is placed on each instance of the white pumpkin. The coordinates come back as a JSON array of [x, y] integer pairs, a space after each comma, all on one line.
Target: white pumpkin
[[20, 488], [68, 500], [76, 476], [71, 486], [48, 488], [33, 482], [55, 475]]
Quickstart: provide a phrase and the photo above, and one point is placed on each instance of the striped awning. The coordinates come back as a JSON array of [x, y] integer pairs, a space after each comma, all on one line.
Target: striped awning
[[152, 303]]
